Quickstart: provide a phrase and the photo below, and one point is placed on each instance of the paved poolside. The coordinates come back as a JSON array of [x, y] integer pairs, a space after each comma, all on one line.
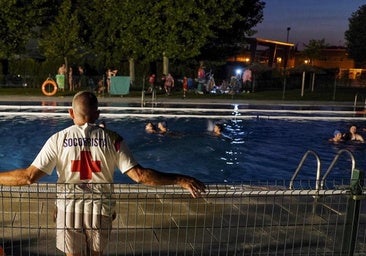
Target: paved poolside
[[167, 99]]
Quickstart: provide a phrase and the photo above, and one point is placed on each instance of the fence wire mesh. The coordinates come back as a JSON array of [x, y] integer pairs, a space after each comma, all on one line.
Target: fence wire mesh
[[229, 220]]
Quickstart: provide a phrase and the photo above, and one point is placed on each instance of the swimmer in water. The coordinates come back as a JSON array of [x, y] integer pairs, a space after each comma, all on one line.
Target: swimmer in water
[[337, 137], [162, 127], [217, 129], [352, 135], [150, 128]]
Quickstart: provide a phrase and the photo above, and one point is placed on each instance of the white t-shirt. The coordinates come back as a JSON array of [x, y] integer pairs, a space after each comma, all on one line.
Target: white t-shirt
[[85, 158]]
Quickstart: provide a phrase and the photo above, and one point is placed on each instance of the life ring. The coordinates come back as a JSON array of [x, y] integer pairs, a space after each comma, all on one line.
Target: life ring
[[45, 87]]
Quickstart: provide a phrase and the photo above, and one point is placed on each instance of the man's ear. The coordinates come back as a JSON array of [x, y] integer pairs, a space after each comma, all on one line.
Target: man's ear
[[71, 113]]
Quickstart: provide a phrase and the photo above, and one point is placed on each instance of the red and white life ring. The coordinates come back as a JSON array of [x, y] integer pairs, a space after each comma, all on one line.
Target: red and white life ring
[[46, 87]]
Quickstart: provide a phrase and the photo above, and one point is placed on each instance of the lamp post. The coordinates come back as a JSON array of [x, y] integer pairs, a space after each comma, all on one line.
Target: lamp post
[[284, 68]]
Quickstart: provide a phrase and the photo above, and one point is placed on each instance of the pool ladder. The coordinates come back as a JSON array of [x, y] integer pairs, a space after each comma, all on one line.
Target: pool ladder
[[143, 96], [320, 182], [362, 97]]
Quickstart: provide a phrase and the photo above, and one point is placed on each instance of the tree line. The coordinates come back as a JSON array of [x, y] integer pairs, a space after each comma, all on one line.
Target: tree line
[[109, 32]]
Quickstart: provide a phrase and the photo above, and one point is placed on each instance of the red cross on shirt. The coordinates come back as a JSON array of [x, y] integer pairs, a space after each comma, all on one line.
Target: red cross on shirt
[[86, 166]]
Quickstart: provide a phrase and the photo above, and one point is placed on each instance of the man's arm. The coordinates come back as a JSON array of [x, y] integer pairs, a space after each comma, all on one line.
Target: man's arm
[[20, 177], [152, 177]]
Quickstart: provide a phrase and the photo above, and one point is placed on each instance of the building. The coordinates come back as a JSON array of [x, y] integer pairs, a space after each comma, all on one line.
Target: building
[[330, 58], [272, 53]]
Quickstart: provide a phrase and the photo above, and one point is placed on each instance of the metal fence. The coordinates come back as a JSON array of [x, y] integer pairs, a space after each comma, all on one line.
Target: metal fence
[[228, 220]]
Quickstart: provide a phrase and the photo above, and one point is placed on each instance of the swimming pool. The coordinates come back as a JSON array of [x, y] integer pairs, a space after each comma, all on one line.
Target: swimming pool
[[260, 143]]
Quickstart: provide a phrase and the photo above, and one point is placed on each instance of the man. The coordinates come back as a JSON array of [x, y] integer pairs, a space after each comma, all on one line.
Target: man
[[201, 77], [168, 84], [337, 137], [85, 156]]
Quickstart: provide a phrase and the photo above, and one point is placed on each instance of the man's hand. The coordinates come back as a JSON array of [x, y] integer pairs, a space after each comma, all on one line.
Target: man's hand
[[194, 186]]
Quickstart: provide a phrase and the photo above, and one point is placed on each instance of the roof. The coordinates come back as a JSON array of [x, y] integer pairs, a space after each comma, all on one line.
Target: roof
[[268, 42]]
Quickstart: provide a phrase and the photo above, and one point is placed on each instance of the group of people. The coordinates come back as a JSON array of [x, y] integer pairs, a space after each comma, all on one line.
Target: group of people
[[76, 79], [162, 128], [351, 135], [104, 84], [166, 80]]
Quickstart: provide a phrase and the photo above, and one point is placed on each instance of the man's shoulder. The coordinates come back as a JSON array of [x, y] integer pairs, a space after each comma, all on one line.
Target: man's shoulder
[[113, 135]]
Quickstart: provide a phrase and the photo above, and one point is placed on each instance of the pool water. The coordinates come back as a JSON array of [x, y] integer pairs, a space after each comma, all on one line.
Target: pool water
[[251, 149]]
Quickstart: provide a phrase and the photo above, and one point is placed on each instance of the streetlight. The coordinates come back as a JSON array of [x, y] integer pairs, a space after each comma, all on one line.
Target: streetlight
[[284, 69], [288, 33]]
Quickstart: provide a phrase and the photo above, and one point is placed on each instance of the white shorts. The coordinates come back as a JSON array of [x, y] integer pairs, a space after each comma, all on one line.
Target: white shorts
[[77, 232]]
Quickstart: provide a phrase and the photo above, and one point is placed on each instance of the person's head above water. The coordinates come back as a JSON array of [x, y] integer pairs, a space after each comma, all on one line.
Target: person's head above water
[[84, 108], [150, 128], [336, 132], [162, 126], [217, 129]]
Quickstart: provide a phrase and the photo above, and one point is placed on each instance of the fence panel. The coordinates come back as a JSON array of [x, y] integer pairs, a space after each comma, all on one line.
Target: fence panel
[[242, 220]]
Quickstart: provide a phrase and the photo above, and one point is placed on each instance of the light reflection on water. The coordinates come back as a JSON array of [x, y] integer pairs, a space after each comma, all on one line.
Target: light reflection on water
[[250, 149]]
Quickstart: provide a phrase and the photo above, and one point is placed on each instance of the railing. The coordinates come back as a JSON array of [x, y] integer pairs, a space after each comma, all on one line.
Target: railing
[[319, 182], [357, 96], [143, 97], [335, 160], [318, 168], [229, 220]]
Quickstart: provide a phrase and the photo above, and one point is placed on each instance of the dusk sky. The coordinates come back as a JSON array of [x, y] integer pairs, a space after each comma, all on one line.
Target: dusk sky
[[308, 19]]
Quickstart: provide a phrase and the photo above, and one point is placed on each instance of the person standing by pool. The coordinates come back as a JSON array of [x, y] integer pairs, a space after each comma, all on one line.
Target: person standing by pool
[[85, 157], [185, 86], [168, 84], [109, 73], [352, 134], [151, 83], [201, 78]]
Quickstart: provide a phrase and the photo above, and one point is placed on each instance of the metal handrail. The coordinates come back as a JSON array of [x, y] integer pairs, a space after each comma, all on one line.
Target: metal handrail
[[153, 97], [335, 159], [291, 186], [356, 100]]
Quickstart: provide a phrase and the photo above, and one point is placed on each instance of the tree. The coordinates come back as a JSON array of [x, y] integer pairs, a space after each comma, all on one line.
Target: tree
[[145, 30], [114, 31], [61, 38], [313, 49], [356, 36], [233, 21], [18, 20]]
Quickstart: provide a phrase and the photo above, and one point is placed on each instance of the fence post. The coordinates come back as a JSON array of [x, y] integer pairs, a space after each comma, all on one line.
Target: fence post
[[352, 214]]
